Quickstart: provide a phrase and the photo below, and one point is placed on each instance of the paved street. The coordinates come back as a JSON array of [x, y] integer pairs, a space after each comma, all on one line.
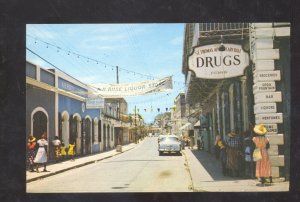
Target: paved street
[[137, 170], [140, 169]]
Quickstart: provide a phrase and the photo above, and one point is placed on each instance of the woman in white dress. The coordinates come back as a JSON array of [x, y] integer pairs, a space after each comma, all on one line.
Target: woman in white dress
[[41, 155]]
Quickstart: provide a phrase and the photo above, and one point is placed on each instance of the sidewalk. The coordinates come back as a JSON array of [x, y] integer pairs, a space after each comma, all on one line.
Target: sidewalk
[[207, 176], [80, 161]]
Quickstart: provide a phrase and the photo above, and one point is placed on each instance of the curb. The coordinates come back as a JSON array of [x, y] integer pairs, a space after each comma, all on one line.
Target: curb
[[73, 167]]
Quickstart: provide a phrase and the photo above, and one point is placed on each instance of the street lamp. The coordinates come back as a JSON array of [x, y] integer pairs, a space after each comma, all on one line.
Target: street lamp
[[221, 47]]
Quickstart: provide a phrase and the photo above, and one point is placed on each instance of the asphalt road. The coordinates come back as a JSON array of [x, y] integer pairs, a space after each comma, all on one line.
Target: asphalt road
[[138, 170]]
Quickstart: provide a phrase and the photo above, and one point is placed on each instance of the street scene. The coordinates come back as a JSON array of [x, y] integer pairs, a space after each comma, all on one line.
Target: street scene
[[194, 107]]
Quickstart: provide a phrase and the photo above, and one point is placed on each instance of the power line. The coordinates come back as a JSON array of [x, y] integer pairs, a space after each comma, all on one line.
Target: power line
[[69, 52], [49, 63]]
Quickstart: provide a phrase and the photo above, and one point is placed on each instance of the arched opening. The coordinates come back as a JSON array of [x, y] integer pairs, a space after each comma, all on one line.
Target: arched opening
[[95, 131], [39, 121], [108, 136], [87, 135], [104, 137], [65, 128], [77, 123], [73, 130], [99, 131]]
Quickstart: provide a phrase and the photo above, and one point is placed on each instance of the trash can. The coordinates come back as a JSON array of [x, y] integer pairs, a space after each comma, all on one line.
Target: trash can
[[119, 148]]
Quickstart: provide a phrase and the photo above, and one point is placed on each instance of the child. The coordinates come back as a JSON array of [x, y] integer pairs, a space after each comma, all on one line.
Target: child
[[71, 151], [249, 163], [63, 151]]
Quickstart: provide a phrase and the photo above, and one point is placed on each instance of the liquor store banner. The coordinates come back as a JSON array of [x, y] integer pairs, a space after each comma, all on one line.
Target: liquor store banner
[[133, 89]]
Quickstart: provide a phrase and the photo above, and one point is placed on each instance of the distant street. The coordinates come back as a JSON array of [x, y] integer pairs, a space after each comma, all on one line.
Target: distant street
[[138, 170]]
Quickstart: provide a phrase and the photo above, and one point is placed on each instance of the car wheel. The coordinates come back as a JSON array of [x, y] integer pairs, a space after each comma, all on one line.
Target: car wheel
[[160, 153]]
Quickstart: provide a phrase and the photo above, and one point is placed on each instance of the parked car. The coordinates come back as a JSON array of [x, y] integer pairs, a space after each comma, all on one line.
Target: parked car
[[169, 143]]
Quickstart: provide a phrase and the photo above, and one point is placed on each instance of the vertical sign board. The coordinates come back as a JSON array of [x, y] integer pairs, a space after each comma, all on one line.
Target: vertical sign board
[[271, 128], [268, 118], [267, 76], [267, 86], [268, 97], [263, 108]]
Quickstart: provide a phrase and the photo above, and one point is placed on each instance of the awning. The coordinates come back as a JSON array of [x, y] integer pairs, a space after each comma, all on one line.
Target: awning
[[187, 126]]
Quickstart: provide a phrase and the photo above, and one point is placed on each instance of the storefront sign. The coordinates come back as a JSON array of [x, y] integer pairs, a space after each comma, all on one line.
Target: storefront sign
[[264, 65], [268, 97], [268, 118], [132, 89], [268, 86], [265, 108], [209, 62], [267, 76], [271, 128], [94, 102]]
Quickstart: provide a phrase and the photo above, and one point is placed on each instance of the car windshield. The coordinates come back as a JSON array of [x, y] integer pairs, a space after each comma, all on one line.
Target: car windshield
[[169, 139]]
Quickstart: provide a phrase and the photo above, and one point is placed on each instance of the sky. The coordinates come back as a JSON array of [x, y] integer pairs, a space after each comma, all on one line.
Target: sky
[[141, 51]]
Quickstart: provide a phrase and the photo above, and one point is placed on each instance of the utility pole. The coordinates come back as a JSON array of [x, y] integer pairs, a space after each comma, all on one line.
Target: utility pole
[[117, 69], [135, 129]]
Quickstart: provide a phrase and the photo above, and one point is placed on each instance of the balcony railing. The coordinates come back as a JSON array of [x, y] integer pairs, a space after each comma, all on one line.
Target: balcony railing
[[217, 29]]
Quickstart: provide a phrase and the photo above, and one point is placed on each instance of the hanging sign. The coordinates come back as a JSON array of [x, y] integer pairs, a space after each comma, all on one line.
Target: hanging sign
[[267, 76], [132, 89], [268, 97], [268, 118], [265, 108], [271, 128], [267, 86], [94, 102], [211, 62]]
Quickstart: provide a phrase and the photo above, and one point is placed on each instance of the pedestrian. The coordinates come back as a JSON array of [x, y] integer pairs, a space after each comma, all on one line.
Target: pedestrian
[[56, 143], [188, 142], [222, 151], [217, 148], [31, 152], [71, 151], [63, 151], [41, 155], [248, 155], [233, 153], [182, 142], [263, 167]]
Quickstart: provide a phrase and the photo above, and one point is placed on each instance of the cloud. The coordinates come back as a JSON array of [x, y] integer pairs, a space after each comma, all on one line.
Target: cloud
[[177, 40]]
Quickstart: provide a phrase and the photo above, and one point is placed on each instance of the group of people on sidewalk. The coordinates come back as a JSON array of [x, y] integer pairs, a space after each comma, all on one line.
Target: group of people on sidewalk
[[37, 152], [240, 156]]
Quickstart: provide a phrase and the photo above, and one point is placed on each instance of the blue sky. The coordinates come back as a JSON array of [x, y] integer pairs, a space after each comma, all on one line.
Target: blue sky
[[139, 50]]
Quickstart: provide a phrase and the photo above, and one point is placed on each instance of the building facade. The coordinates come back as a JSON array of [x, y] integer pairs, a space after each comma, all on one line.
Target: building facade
[[237, 74], [56, 104]]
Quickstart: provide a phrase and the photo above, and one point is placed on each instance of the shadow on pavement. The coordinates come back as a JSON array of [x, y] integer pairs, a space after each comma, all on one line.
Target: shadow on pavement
[[212, 165]]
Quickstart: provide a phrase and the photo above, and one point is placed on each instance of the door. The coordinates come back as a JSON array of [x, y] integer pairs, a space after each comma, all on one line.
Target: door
[[39, 124]]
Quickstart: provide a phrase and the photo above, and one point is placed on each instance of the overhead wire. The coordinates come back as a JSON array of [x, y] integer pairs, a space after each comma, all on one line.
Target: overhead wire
[[69, 52]]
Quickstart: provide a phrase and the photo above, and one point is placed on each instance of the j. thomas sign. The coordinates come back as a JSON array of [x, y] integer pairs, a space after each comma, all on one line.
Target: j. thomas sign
[[210, 63]]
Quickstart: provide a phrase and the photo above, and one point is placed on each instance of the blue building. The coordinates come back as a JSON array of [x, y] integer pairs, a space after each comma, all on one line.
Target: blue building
[[56, 104]]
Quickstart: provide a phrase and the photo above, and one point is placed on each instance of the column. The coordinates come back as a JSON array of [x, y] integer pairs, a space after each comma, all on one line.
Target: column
[[266, 95]]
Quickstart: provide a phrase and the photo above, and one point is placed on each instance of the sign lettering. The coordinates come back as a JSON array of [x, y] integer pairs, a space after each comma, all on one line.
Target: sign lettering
[[210, 63]]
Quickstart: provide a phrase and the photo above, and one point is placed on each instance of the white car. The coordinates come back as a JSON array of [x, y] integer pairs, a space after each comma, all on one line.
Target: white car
[[169, 143], [160, 137]]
